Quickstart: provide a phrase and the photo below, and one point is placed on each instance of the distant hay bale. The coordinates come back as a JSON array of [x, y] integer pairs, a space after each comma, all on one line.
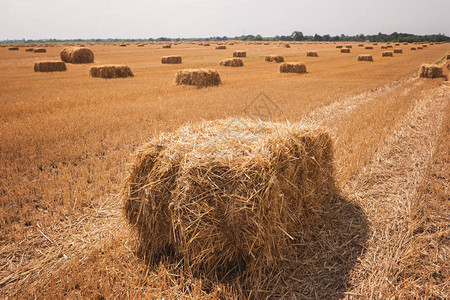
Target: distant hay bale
[[424, 46], [419, 48], [312, 54], [167, 46], [239, 54], [77, 55], [398, 50], [387, 53], [368, 48], [405, 44], [221, 47], [198, 77], [389, 46], [339, 46], [29, 50], [431, 44], [383, 47], [122, 45], [360, 45], [286, 45], [448, 57], [140, 45], [293, 68], [40, 50], [229, 194], [111, 71], [397, 44], [172, 59], [13, 48], [365, 57], [412, 48], [274, 58], [430, 71], [345, 50], [349, 46], [375, 44], [232, 62], [206, 45], [50, 66]]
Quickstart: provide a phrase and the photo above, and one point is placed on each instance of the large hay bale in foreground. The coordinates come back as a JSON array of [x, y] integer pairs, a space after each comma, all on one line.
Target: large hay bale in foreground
[[430, 71], [239, 54], [50, 66], [274, 58], [111, 71], [398, 50], [229, 195], [172, 59], [345, 50], [387, 53], [77, 55], [198, 77], [293, 68], [40, 50], [232, 62], [365, 57], [312, 54]]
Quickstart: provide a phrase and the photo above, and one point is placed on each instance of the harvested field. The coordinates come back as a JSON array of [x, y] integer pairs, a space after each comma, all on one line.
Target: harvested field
[[68, 142]]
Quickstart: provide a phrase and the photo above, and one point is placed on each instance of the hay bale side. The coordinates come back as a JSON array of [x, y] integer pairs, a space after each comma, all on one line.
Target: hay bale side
[[312, 54], [274, 58], [221, 47], [368, 48], [198, 77], [50, 66], [360, 45], [365, 57], [345, 50], [172, 59], [419, 48], [383, 47], [413, 48], [77, 55], [237, 202], [398, 50], [167, 46], [349, 46], [40, 50], [430, 71], [232, 62], [29, 50], [293, 68], [239, 54], [448, 57], [111, 71], [387, 53], [13, 48], [339, 46]]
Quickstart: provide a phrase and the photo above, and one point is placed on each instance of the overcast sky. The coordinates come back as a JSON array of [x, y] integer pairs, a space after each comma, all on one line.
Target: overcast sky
[[39, 19]]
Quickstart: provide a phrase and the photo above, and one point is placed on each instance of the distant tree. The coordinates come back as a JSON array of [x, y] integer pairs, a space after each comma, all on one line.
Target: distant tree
[[297, 36]]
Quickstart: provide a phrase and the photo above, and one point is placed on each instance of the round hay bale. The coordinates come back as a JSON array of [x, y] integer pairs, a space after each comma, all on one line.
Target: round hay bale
[[223, 199], [296, 67], [345, 50], [29, 50], [387, 53], [13, 48], [349, 46], [398, 50], [239, 54], [430, 71], [77, 55], [198, 77], [167, 46], [339, 46], [312, 54], [274, 58], [172, 59], [50, 66], [365, 57], [221, 47], [40, 50], [368, 48], [232, 62], [111, 71]]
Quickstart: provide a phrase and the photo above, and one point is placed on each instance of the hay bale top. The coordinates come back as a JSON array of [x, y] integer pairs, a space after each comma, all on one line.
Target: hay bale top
[[230, 192], [232, 62], [50, 66], [198, 77], [293, 67], [77, 55], [274, 58], [111, 71]]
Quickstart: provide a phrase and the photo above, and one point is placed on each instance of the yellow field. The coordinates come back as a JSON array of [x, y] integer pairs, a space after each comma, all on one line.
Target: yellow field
[[66, 141]]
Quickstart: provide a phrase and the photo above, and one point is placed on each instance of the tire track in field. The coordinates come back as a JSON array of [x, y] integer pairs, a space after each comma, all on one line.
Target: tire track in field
[[385, 189]]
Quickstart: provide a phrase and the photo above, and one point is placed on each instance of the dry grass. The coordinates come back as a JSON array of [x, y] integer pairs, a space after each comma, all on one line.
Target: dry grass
[[66, 140]]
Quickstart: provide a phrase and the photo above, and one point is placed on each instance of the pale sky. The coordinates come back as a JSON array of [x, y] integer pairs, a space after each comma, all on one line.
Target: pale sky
[[70, 19]]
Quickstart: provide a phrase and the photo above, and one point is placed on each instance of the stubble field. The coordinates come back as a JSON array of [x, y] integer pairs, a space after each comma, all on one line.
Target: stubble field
[[66, 142]]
